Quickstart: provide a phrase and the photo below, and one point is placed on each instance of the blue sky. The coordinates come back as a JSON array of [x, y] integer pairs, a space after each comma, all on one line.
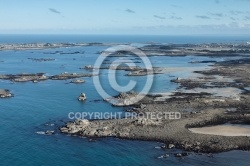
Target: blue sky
[[160, 17]]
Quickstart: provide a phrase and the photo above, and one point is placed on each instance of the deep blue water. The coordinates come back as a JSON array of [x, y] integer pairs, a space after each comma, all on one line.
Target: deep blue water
[[49, 102]]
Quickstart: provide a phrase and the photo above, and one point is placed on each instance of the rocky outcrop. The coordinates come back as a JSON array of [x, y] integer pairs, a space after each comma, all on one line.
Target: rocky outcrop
[[82, 97], [36, 46], [197, 109], [124, 99], [25, 77], [88, 67], [66, 75], [5, 93], [42, 59], [75, 127], [77, 81], [145, 122]]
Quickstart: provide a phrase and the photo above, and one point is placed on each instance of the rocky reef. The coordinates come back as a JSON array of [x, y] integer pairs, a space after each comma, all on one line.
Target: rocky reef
[[5, 93], [74, 127], [42, 59], [209, 49], [66, 75], [36, 46], [214, 97], [125, 99], [25, 77], [82, 97], [77, 81]]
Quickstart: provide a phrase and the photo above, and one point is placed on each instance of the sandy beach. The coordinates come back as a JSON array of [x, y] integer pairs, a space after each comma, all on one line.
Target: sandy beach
[[223, 130]]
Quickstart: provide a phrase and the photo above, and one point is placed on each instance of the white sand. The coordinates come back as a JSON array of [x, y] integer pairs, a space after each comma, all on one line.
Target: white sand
[[219, 92], [224, 130]]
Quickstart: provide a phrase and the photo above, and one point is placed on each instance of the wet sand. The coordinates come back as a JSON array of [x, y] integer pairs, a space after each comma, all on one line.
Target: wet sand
[[223, 130]]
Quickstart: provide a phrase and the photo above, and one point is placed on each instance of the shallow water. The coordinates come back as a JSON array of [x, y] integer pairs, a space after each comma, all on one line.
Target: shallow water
[[45, 106]]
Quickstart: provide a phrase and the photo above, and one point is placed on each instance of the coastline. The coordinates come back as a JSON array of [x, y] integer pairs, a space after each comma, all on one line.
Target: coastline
[[207, 109], [203, 100]]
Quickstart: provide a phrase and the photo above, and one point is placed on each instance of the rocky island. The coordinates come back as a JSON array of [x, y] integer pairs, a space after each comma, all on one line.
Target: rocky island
[[5, 93], [38, 46], [26, 77], [216, 97]]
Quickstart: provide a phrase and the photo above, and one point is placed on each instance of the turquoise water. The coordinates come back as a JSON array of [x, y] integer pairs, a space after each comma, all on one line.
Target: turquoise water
[[36, 106]]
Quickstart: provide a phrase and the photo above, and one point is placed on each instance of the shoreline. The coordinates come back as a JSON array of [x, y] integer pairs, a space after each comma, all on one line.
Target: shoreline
[[42, 46], [198, 108], [203, 100], [205, 49]]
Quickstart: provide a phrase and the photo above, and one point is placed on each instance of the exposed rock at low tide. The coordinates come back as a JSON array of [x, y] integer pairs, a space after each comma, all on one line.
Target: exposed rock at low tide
[[74, 127], [42, 59], [5, 93], [48, 132], [36, 46], [125, 99], [82, 97], [198, 108], [77, 81], [65, 76], [25, 77], [88, 67]]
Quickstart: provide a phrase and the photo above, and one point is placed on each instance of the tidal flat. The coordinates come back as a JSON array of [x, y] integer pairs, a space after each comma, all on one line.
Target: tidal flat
[[209, 95]]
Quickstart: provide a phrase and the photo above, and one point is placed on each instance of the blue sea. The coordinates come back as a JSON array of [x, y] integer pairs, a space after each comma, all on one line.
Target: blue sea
[[45, 105]]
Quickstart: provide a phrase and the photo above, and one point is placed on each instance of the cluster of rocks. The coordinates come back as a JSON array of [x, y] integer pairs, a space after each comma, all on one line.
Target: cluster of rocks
[[120, 62], [76, 126], [42, 59], [77, 81], [133, 70], [125, 68], [125, 99], [213, 49], [35, 46], [143, 72], [87, 67], [66, 75], [25, 77], [82, 97], [5, 93], [75, 52], [178, 155], [146, 121], [197, 110], [48, 132], [64, 53]]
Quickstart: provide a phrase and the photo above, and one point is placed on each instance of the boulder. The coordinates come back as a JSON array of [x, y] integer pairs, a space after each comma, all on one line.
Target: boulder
[[82, 97], [82, 122], [49, 132], [144, 121], [171, 146], [77, 81], [88, 67], [5, 93]]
